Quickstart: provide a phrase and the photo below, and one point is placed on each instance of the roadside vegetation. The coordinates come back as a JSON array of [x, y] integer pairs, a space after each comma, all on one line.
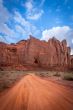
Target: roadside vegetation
[[8, 78], [57, 74], [68, 77]]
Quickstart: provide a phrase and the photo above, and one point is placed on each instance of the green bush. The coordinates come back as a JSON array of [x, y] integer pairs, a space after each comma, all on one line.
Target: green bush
[[68, 77], [57, 74]]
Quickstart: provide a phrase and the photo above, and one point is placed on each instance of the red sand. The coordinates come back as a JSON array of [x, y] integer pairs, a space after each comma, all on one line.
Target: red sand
[[34, 93]]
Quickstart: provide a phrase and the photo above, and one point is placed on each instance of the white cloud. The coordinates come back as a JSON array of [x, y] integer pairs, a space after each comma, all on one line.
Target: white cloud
[[29, 5], [22, 28], [58, 21], [72, 40], [71, 51], [33, 12], [3, 39], [6, 30], [64, 32], [35, 16], [18, 18], [59, 32], [4, 14], [4, 17], [26, 25]]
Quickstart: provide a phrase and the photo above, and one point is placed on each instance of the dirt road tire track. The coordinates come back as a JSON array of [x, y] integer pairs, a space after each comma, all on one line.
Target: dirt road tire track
[[34, 93]]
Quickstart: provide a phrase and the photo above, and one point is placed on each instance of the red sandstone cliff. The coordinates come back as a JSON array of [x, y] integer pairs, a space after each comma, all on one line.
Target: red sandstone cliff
[[36, 53], [71, 60]]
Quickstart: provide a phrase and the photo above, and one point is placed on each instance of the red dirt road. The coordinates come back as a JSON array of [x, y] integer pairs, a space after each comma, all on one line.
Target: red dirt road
[[34, 93]]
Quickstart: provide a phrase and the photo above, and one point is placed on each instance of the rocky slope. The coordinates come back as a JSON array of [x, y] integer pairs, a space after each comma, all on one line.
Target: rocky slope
[[51, 54]]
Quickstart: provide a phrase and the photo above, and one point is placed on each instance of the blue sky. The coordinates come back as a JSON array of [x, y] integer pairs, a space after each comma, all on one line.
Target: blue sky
[[40, 18]]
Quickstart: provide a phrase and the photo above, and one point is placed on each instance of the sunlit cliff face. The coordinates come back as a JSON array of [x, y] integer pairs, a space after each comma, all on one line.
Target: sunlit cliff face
[[34, 52]]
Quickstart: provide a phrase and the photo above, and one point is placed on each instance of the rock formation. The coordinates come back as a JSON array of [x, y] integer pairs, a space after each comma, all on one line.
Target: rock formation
[[34, 52], [71, 61]]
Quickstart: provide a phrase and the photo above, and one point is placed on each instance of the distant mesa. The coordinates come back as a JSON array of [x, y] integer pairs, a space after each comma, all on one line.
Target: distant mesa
[[34, 53]]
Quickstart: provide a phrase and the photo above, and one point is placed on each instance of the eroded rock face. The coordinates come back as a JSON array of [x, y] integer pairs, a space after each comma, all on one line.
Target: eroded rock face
[[36, 53], [71, 61]]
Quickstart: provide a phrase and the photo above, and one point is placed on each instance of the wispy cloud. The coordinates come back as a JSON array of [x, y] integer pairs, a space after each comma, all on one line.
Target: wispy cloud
[[3, 39], [58, 21], [28, 27], [35, 16], [33, 12], [4, 17], [21, 27], [29, 5]]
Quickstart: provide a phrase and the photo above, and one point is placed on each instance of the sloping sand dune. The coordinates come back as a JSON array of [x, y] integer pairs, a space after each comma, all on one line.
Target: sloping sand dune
[[34, 93]]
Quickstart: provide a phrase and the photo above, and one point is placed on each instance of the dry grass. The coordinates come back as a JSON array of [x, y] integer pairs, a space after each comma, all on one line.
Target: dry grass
[[57, 74], [8, 78]]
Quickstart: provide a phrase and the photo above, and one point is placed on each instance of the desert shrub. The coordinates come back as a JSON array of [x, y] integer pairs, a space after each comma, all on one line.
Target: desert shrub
[[68, 77], [3, 86], [56, 74], [42, 75]]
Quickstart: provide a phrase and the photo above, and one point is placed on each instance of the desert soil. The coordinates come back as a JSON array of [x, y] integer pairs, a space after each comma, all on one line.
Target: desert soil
[[35, 93]]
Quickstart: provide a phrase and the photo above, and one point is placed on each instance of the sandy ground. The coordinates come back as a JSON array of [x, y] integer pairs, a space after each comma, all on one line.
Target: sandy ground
[[34, 93]]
